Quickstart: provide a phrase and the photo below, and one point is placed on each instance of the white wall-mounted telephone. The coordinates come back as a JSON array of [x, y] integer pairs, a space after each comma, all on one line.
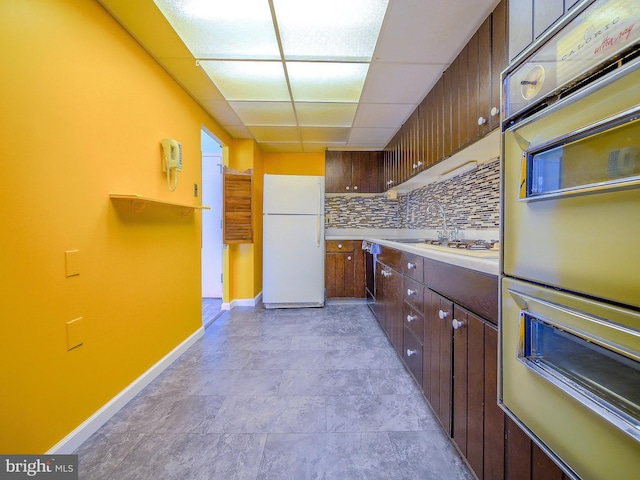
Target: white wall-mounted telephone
[[171, 161]]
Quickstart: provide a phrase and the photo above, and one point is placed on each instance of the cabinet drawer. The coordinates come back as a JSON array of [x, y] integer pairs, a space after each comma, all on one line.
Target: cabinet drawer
[[413, 266], [412, 355], [413, 293], [391, 257], [339, 246], [414, 320]]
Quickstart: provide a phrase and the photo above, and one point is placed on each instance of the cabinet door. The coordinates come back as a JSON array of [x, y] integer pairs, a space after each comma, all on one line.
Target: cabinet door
[[484, 78], [468, 387], [366, 172], [393, 293], [545, 13], [499, 61], [340, 275], [520, 26], [437, 356], [337, 172], [494, 417], [380, 306]]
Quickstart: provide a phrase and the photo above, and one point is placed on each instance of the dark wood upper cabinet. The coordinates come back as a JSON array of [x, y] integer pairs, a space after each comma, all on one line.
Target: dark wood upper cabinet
[[499, 59], [353, 172]]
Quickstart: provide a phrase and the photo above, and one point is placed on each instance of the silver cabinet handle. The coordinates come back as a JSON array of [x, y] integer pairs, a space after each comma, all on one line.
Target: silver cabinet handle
[[495, 111], [347, 187], [349, 257], [411, 353], [411, 266], [457, 324], [411, 318], [339, 245], [442, 314], [482, 121], [410, 292], [355, 187]]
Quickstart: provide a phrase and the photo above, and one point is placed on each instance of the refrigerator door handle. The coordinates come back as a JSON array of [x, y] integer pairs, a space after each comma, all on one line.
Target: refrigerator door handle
[[319, 215]]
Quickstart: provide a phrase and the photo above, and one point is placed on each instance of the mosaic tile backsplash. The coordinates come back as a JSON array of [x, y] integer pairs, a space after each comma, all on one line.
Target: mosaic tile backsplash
[[471, 202]]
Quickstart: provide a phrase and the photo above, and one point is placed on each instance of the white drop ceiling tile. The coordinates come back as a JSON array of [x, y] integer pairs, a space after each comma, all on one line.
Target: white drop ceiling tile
[[371, 136], [382, 114], [326, 82], [238, 131], [221, 111], [326, 114], [245, 80], [429, 31], [400, 83], [265, 113], [224, 29], [329, 30], [290, 147], [275, 134], [322, 134]]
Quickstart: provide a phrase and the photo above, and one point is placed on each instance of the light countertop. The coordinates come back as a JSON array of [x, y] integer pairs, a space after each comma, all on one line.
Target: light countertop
[[486, 262]]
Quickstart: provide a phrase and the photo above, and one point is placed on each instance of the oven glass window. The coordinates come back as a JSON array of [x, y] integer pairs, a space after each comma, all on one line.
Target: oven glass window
[[608, 378], [609, 155]]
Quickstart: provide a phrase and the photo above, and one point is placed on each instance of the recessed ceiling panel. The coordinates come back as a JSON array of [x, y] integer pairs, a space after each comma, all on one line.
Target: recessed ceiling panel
[[326, 82], [326, 114], [219, 29], [265, 113], [382, 114], [429, 31], [261, 81], [275, 134], [330, 29], [411, 82], [371, 137], [325, 135]]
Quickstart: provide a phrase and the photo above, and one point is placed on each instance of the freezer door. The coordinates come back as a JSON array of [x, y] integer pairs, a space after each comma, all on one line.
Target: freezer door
[[293, 261], [293, 194]]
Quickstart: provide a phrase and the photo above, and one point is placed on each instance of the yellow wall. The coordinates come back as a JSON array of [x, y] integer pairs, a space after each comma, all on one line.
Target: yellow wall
[[84, 108], [294, 163]]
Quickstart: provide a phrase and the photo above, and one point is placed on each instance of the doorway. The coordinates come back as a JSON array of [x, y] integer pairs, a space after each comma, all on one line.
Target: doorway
[[212, 265]]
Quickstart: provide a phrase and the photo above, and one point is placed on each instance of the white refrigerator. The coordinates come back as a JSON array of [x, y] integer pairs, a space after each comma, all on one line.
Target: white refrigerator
[[293, 241]]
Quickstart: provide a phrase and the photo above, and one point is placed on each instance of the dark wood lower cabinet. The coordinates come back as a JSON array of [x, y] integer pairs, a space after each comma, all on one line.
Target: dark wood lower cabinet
[[344, 269], [436, 370], [456, 362], [525, 460]]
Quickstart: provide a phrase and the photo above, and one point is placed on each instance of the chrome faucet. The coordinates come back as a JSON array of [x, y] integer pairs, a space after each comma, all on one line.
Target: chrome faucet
[[445, 233]]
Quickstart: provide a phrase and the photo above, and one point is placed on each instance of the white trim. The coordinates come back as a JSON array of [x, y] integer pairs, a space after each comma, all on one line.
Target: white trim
[[91, 425], [243, 302]]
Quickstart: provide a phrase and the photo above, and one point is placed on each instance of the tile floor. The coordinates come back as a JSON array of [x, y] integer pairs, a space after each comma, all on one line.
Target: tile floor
[[278, 394]]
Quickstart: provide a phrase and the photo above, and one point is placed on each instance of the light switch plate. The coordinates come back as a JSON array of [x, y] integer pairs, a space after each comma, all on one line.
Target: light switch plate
[[72, 262], [75, 333]]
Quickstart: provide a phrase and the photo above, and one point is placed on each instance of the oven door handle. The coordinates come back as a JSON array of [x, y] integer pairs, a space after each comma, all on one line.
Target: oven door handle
[[605, 325]]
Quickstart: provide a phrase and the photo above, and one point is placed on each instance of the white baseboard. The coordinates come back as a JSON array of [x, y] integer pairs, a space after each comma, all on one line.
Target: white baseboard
[[243, 302], [91, 425]]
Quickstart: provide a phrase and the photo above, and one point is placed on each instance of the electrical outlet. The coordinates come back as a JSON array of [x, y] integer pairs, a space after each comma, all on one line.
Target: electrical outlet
[[195, 190]]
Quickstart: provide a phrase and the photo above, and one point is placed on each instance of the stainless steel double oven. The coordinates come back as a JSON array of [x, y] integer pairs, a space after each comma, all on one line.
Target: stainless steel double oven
[[570, 289]]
